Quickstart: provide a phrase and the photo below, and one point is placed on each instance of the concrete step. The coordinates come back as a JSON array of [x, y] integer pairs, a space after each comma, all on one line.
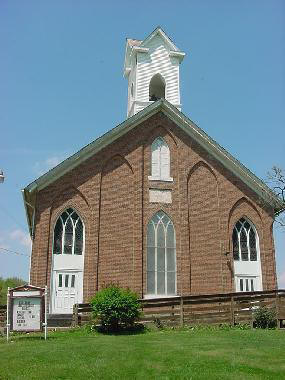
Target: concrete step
[[59, 320]]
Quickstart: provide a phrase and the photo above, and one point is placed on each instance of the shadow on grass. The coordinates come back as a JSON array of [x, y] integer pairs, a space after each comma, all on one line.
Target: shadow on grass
[[139, 328], [27, 337]]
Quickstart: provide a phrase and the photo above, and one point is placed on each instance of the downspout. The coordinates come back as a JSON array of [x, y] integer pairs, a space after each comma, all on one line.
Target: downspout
[[31, 227]]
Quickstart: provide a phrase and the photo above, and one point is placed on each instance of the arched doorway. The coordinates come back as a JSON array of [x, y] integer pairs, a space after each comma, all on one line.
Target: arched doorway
[[246, 255], [67, 262]]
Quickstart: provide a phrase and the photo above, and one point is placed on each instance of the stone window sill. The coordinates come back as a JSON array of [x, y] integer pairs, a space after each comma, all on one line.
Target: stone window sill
[[169, 179], [153, 296]]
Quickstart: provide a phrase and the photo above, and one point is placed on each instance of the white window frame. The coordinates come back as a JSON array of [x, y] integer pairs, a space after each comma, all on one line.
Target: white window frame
[[247, 269], [245, 278], [156, 294], [74, 224], [156, 149], [252, 227]]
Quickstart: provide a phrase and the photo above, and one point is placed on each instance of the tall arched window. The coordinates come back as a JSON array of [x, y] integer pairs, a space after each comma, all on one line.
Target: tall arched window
[[68, 234], [244, 241], [160, 160], [156, 88], [161, 256]]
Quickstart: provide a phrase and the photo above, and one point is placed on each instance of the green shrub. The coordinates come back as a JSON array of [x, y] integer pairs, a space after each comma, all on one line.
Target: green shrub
[[115, 308], [265, 318]]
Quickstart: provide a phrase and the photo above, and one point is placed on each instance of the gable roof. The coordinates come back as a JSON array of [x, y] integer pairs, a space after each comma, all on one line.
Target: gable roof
[[133, 46], [190, 128], [164, 36]]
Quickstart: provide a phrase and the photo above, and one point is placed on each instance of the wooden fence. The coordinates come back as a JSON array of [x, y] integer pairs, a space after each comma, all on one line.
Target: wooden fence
[[213, 309]]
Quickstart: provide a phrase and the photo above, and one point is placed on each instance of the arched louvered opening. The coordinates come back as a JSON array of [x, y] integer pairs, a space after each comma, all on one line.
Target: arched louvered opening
[[161, 256], [156, 88], [160, 160], [68, 234], [246, 257]]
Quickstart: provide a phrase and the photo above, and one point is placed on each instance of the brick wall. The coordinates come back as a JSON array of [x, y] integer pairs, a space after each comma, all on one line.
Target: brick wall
[[110, 191]]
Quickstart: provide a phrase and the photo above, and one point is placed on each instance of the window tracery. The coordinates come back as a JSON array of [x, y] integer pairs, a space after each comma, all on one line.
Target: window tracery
[[244, 241], [68, 234], [161, 256]]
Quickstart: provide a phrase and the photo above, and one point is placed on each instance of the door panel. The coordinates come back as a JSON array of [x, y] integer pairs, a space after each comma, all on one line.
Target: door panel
[[67, 290]]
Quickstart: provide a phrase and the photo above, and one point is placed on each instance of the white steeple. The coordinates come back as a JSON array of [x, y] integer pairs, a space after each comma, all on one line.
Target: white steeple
[[152, 69]]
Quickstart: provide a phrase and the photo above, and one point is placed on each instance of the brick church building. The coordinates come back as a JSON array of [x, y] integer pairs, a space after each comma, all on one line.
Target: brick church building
[[154, 204]]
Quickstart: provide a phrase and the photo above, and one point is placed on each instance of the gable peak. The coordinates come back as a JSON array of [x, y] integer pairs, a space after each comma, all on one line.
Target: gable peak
[[158, 31]]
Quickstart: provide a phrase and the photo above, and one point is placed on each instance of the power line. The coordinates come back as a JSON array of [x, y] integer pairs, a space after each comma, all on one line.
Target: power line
[[12, 217], [14, 252]]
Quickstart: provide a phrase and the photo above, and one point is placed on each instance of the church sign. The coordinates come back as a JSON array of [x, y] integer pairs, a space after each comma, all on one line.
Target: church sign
[[26, 309]]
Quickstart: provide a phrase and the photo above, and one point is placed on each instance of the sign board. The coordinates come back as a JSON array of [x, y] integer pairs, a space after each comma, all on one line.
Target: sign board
[[26, 314], [26, 293], [26, 309]]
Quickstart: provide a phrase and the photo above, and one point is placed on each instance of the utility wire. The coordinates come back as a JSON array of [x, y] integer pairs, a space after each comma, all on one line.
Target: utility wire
[[14, 252], [12, 217]]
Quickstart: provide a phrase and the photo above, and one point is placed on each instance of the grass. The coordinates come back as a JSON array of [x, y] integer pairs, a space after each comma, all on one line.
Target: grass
[[161, 354]]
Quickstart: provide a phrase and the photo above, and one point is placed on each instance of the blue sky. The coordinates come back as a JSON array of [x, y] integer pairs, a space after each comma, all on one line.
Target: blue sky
[[61, 86]]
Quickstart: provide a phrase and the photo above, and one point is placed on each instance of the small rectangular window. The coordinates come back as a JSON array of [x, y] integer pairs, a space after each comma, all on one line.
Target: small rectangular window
[[241, 284], [66, 280], [246, 285], [60, 280], [252, 285], [73, 280]]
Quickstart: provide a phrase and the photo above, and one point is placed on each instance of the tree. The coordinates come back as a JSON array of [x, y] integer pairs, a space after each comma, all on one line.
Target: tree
[[11, 282], [276, 180]]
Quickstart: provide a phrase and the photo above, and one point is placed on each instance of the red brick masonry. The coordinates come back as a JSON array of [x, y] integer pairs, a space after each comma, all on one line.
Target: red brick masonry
[[110, 191]]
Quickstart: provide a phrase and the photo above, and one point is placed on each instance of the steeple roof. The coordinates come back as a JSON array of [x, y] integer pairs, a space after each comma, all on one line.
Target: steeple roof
[[133, 45]]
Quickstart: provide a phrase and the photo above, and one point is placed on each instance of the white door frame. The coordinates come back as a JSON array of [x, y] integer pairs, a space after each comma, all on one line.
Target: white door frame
[[248, 270], [69, 263], [78, 288]]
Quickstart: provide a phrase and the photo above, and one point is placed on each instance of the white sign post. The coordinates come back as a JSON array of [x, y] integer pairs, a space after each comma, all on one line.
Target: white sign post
[[27, 309], [45, 323], [7, 314]]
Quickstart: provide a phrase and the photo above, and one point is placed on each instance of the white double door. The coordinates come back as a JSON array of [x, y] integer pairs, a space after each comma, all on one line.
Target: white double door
[[67, 290]]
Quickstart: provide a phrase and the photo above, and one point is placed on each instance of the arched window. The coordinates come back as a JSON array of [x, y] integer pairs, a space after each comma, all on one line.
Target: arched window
[[68, 234], [156, 88], [160, 160], [161, 256], [244, 241]]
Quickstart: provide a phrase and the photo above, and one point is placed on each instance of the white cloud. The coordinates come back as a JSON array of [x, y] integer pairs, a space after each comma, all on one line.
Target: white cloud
[[281, 280], [3, 243], [42, 167], [21, 237]]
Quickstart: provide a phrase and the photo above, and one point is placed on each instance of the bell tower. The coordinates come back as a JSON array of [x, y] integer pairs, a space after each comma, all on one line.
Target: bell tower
[[152, 69]]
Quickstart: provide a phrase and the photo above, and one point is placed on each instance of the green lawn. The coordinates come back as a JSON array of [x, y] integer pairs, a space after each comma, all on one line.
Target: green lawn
[[181, 354]]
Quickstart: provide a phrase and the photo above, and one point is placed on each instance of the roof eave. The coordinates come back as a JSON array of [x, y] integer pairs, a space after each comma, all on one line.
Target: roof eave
[[253, 182], [189, 127], [92, 148]]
